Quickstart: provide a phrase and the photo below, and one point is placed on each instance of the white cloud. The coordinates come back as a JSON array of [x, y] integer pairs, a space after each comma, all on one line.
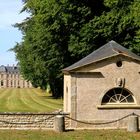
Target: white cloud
[[10, 15]]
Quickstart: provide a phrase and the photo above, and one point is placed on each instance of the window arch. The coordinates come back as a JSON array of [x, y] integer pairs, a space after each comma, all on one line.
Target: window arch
[[118, 96]]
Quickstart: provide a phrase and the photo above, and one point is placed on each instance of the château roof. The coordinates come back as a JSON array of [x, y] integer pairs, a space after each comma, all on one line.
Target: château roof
[[9, 69], [2, 68], [108, 50]]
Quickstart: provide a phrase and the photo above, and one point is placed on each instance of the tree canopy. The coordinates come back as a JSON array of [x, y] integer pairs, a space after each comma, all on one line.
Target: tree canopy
[[60, 32]]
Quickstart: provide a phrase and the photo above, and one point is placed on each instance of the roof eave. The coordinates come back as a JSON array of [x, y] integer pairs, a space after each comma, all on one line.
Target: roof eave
[[65, 71]]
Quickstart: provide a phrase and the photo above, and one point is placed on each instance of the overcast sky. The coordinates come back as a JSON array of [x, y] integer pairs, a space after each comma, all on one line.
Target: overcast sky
[[9, 15]]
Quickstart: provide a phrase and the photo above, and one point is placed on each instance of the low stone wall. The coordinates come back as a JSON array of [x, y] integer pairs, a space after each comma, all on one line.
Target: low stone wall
[[47, 121], [28, 120]]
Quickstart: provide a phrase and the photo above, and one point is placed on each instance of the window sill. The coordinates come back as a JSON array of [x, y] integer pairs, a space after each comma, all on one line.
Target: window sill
[[118, 106]]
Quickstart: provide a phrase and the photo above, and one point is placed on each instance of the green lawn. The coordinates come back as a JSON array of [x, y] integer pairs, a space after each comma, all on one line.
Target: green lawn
[[27, 100], [71, 135]]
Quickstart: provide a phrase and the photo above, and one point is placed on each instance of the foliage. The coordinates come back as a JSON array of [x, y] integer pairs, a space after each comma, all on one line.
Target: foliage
[[60, 32], [120, 22]]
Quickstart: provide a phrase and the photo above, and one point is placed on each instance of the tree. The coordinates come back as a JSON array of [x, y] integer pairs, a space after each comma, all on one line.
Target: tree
[[60, 32], [120, 22]]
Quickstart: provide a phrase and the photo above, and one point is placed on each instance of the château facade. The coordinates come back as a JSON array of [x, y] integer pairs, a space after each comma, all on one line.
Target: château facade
[[10, 77]]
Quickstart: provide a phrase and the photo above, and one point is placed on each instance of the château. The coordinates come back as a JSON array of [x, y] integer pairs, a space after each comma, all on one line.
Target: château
[[10, 77]]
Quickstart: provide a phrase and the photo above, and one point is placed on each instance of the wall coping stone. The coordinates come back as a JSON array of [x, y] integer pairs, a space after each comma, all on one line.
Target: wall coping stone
[[33, 113]]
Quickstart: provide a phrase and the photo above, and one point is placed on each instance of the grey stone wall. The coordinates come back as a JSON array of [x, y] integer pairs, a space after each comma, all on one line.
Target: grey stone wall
[[28, 121]]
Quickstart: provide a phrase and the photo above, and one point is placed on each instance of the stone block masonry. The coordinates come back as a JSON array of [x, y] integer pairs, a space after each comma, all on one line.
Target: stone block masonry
[[28, 121]]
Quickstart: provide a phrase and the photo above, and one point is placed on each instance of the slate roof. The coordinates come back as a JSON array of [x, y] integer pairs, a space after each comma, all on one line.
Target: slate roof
[[9, 69], [108, 50]]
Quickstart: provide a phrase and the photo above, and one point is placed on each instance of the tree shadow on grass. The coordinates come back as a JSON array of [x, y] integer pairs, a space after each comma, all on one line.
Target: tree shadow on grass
[[49, 97]]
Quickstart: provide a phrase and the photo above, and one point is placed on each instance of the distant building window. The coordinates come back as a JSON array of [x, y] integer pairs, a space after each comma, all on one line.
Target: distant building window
[[2, 83], [1, 75], [7, 83], [15, 83], [118, 96]]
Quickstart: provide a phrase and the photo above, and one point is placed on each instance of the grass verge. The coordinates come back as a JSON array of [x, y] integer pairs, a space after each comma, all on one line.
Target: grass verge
[[71, 135]]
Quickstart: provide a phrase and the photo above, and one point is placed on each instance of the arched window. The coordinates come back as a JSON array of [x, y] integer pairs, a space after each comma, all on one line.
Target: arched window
[[118, 96]]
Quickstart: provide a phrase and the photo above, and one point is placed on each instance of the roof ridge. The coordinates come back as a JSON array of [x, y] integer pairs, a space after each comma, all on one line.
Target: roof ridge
[[107, 50]]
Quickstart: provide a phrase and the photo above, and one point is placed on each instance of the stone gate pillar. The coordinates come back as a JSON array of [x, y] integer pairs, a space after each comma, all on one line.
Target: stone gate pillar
[[133, 124]]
